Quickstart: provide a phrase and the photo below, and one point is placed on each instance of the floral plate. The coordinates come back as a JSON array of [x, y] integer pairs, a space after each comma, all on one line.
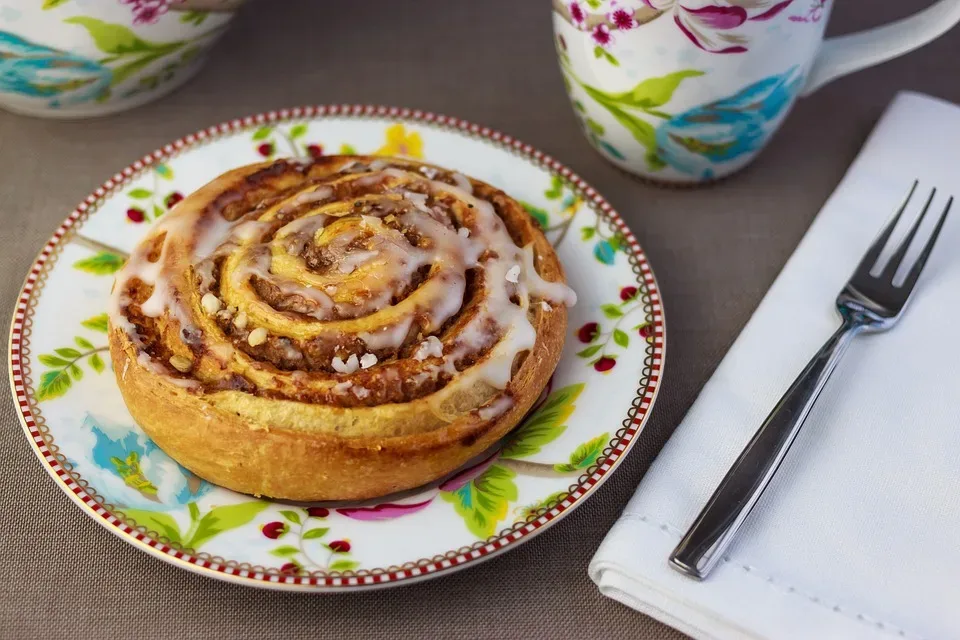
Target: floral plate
[[583, 424]]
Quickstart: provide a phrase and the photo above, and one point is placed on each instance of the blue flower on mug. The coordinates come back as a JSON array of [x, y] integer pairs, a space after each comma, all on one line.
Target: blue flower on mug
[[720, 131], [37, 71]]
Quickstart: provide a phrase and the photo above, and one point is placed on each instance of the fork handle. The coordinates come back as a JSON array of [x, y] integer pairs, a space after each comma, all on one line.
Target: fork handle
[[713, 530]]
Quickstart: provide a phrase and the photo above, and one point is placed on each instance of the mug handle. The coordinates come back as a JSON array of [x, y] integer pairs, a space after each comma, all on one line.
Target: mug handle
[[846, 54]]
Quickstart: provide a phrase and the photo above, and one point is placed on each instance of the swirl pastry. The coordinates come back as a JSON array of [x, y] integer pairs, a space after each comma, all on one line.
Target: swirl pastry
[[342, 329]]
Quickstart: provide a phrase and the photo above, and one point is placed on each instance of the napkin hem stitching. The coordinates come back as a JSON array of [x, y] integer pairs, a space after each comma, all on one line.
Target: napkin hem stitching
[[672, 531]]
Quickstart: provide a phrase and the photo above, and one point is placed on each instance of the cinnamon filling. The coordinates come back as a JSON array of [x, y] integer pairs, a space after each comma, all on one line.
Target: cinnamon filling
[[380, 283]]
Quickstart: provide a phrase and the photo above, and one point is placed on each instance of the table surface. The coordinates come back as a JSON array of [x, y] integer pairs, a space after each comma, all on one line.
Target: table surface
[[715, 252]]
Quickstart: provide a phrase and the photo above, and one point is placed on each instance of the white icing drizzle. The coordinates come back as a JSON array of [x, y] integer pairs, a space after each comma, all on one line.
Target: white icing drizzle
[[461, 181], [418, 200], [308, 225], [301, 232], [353, 260], [308, 197], [518, 334], [431, 347], [387, 336], [497, 408], [160, 369], [555, 292], [511, 281]]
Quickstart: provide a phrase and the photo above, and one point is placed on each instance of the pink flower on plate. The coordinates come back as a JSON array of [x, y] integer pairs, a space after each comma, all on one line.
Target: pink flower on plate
[[602, 36], [622, 19], [385, 511], [714, 27], [577, 15]]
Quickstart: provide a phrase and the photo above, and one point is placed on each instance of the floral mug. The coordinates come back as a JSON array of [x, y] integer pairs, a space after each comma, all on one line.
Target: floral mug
[[688, 91], [80, 58]]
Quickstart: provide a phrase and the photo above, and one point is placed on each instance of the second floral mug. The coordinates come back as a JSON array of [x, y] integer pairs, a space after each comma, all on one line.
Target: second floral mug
[[686, 92], [83, 58]]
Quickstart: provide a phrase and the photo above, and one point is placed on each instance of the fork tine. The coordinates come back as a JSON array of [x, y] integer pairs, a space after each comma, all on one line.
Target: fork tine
[[894, 263], [915, 270], [873, 253]]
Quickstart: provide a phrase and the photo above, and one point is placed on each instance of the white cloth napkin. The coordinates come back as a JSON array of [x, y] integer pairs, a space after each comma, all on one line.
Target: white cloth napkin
[[858, 536]]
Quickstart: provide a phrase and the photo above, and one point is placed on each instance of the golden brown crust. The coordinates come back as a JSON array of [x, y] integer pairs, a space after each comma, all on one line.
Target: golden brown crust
[[246, 423]]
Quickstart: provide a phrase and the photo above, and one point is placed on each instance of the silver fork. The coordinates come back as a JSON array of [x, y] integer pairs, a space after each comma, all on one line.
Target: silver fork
[[866, 304]]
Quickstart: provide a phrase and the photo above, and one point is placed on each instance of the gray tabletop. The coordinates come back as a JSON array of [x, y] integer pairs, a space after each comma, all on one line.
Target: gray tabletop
[[715, 251]]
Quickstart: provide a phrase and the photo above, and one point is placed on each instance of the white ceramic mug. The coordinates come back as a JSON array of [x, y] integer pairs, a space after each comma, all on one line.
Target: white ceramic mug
[[81, 58], [685, 91]]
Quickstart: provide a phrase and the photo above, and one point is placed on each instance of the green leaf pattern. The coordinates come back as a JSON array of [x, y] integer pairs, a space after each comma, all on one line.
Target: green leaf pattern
[[538, 214], [53, 384], [292, 516], [534, 510], [96, 363], [603, 343], [292, 138], [97, 323], [162, 523], [113, 38], [224, 518], [309, 543], [585, 455], [63, 363], [483, 501], [563, 194], [632, 108], [545, 425], [590, 351], [136, 64], [203, 528], [153, 203], [262, 133], [103, 263], [195, 18]]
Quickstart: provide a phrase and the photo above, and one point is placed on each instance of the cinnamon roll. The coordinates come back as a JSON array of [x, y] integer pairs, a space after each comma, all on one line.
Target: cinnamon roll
[[340, 329]]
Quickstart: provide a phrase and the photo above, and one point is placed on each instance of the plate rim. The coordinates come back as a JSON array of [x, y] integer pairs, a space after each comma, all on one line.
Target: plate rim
[[508, 538]]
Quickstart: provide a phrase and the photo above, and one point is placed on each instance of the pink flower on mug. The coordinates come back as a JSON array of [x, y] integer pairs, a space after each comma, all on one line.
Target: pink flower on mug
[[814, 14], [602, 36], [714, 27], [577, 15], [622, 19], [147, 11]]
